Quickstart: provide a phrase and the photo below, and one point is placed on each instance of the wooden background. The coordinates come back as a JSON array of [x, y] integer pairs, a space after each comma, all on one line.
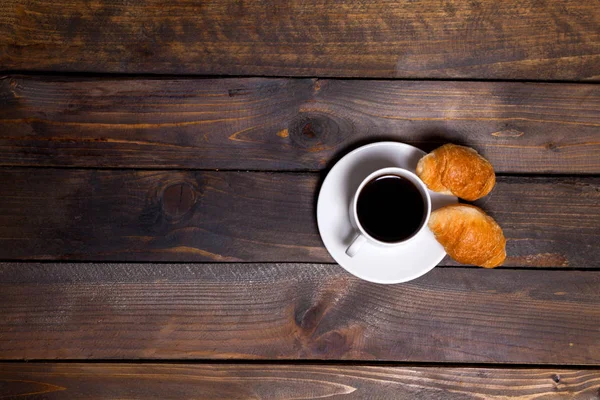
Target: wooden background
[[160, 163], [528, 39]]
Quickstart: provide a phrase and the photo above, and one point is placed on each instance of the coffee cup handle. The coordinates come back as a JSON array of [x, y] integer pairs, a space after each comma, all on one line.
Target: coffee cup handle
[[356, 245]]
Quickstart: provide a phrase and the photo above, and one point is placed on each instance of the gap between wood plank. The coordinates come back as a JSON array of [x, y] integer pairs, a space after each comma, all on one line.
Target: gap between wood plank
[[345, 363], [112, 75], [197, 263]]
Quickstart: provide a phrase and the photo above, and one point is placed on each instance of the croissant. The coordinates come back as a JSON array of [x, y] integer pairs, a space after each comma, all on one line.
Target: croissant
[[469, 235], [457, 170]]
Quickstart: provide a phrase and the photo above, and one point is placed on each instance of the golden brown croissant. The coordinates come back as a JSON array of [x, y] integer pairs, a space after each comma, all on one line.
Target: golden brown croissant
[[457, 170], [469, 235]]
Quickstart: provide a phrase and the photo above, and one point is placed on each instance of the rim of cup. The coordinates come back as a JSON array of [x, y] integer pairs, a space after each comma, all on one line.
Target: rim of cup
[[404, 173]]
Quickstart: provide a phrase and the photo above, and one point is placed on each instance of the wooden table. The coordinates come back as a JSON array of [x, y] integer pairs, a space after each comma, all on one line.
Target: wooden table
[[160, 162]]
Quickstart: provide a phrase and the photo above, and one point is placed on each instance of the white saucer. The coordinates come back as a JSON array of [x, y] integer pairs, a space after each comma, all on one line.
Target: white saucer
[[375, 264]]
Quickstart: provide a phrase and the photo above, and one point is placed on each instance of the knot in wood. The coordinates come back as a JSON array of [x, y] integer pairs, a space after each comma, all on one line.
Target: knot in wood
[[178, 199], [553, 147], [315, 131]]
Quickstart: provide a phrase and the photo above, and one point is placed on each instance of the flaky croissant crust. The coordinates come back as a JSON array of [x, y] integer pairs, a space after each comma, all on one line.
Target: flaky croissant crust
[[469, 235], [457, 170]]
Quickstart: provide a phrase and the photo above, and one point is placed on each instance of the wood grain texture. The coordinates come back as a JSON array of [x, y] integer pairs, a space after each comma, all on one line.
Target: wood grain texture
[[530, 39], [296, 311], [279, 382], [291, 124], [117, 215], [158, 215]]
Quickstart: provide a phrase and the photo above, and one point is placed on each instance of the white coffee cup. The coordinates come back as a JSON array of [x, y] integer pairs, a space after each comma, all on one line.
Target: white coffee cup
[[362, 236]]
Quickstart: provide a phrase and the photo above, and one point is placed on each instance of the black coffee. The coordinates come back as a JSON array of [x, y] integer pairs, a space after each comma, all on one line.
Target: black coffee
[[390, 208]]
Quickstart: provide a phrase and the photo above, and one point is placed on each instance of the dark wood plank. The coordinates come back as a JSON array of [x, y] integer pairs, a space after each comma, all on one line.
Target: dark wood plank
[[528, 39], [131, 215], [296, 311], [276, 381], [291, 124], [158, 216]]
